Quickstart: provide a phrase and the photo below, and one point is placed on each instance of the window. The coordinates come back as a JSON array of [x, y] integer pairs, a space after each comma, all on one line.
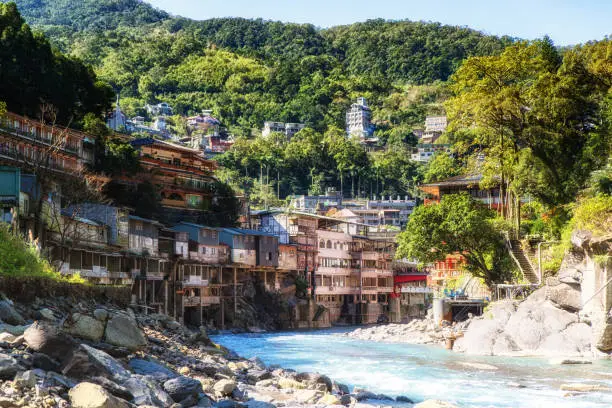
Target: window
[[213, 251], [138, 226], [322, 244], [329, 244], [269, 256]]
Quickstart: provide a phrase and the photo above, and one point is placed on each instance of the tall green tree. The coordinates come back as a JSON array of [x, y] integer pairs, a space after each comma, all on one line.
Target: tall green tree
[[457, 225]]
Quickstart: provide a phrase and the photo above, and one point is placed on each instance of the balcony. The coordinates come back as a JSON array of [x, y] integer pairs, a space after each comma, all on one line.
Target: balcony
[[211, 300], [336, 290], [47, 140], [173, 203], [192, 301], [330, 270], [194, 281], [416, 289]]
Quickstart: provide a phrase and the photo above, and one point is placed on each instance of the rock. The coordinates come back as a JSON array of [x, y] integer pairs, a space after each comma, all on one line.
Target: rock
[[603, 337], [146, 391], [566, 296], [204, 402], [340, 388], [47, 314], [182, 387], [88, 361], [288, 383], [584, 387], [434, 404], [44, 362], [85, 327], [254, 376], [307, 396], [259, 404], [364, 395], [7, 337], [329, 399], [228, 404], [89, 395], [14, 330], [568, 361], [315, 378], [224, 387], [257, 363], [48, 339], [26, 379], [8, 367], [401, 398], [117, 390], [154, 369], [124, 332], [9, 315], [347, 400], [101, 314], [184, 370]]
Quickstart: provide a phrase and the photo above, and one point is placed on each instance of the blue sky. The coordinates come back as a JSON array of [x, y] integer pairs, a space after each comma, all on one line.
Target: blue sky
[[565, 21]]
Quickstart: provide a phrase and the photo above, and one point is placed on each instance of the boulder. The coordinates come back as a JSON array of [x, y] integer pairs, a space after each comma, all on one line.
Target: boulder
[[151, 368], [182, 387], [401, 398], [46, 338], [329, 399], [89, 395], [307, 396], [288, 383], [574, 340], [258, 404], [14, 330], [315, 378], [47, 314], [44, 362], [85, 327], [8, 367], [603, 337], [340, 388], [228, 403], [224, 387], [9, 315], [101, 314], [146, 391], [434, 404], [564, 295], [26, 379], [117, 390], [124, 332], [7, 337], [364, 395], [255, 376], [87, 361], [257, 363]]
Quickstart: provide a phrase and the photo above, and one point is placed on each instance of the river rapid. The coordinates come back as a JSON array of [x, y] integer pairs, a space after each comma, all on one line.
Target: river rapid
[[424, 372]]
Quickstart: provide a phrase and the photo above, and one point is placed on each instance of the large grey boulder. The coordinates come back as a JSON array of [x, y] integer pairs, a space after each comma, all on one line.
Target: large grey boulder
[[146, 391], [8, 367], [85, 327], [564, 295], [182, 387], [8, 314], [124, 332], [48, 339], [603, 337], [156, 370], [574, 340], [315, 378], [87, 361], [224, 387], [89, 395]]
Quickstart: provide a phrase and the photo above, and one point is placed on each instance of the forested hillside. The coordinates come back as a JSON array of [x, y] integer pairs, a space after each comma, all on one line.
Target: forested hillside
[[248, 71]]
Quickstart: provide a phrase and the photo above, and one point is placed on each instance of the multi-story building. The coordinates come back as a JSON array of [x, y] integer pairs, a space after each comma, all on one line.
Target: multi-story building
[[183, 175], [161, 109], [288, 129], [410, 287], [27, 143], [358, 120], [423, 153], [314, 204], [463, 184], [434, 127]]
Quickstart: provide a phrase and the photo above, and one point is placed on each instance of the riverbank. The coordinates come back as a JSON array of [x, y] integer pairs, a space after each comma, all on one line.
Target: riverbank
[[81, 353]]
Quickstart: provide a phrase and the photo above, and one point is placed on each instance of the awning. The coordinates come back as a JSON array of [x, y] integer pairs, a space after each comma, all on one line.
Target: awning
[[408, 278]]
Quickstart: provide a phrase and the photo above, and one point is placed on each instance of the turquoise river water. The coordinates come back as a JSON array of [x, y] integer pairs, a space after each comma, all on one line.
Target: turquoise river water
[[424, 372]]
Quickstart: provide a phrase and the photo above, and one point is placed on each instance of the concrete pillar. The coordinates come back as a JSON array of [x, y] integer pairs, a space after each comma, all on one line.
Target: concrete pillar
[[395, 313], [222, 299], [165, 297], [235, 294]]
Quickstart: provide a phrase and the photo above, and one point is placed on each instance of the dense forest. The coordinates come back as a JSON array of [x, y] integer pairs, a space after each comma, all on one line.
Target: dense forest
[[249, 71]]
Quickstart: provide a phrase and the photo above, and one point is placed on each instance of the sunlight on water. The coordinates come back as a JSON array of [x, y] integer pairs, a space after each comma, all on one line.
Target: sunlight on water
[[423, 372]]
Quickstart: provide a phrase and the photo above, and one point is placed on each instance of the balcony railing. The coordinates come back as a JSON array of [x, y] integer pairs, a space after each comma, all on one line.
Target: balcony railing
[[37, 137]]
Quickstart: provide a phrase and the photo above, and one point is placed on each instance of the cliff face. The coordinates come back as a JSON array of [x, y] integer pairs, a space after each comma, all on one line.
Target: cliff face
[[569, 316]]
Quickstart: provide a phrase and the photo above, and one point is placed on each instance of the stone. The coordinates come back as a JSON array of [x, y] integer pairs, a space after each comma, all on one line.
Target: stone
[[227, 403], [124, 332], [257, 363], [146, 391], [117, 390], [365, 395], [89, 395], [85, 327], [584, 387], [566, 296], [329, 399], [434, 404], [347, 400], [182, 387], [401, 398], [47, 314], [88, 361], [307, 396], [340, 388], [315, 378], [9, 315], [224, 387], [101, 314], [603, 338], [44, 362], [184, 370], [14, 330], [9, 366], [46, 338], [26, 379], [288, 383], [258, 404], [154, 369], [254, 376], [7, 337]]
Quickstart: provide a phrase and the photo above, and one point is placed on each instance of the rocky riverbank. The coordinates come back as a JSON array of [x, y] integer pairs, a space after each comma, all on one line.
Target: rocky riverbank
[[82, 354]]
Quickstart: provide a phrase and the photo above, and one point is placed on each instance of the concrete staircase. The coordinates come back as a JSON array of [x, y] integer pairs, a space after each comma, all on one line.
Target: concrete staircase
[[522, 260]]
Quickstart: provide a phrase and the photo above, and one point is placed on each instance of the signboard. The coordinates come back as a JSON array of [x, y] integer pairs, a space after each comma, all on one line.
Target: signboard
[[10, 185]]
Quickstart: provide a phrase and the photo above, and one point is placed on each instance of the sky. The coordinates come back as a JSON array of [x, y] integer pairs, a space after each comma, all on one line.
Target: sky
[[567, 22]]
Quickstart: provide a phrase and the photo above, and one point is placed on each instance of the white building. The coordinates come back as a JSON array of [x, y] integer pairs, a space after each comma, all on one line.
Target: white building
[[288, 129], [434, 127], [160, 109], [358, 119], [425, 152], [117, 119]]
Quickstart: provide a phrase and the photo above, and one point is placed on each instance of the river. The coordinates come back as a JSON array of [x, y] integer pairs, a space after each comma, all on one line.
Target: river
[[424, 372]]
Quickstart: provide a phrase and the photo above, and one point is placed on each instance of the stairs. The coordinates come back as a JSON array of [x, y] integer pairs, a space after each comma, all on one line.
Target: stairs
[[521, 259]]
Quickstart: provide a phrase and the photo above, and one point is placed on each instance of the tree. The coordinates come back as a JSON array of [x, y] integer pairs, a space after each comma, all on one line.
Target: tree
[[440, 167], [458, 224]]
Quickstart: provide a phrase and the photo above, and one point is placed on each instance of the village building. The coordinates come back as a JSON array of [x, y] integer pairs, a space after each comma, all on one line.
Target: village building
[[288, 129], [358, 120], [434, 127], [423, 153], [160, 109]]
